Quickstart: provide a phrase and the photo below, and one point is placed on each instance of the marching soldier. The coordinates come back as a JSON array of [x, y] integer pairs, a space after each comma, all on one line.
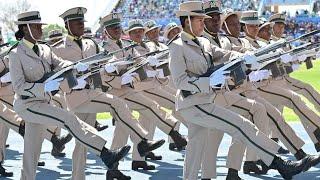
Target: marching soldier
[[134, 99], [32, 98], [171, 31], [195, 96], [85, 100], [166, 96]]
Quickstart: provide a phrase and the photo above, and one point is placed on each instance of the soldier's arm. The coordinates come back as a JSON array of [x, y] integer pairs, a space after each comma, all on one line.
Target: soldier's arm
[[221, 55], [182, 78], [20, 86]]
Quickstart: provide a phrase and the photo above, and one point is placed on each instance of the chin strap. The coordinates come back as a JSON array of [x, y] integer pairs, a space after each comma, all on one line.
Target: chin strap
[[30, 32]]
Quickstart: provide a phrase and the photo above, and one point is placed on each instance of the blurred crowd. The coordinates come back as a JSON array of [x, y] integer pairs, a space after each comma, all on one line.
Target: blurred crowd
[[159, 9]]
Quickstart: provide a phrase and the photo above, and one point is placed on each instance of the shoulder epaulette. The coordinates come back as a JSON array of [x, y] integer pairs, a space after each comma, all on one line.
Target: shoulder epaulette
[[95, 42], [13, 47], [173, 39], [57, 43]]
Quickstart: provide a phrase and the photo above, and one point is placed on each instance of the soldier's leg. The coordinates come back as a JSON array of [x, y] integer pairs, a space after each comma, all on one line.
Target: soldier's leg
[[120, 110], [79, 155], [309, 119], [197, 136], [306, 90], [150, 109], [209, 158], [33, 140]]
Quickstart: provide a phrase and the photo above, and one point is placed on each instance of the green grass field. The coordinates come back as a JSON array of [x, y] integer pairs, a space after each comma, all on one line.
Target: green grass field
[[310, 76]]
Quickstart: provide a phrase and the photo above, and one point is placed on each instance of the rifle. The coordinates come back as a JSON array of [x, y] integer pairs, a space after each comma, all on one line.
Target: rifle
[[282, 43]]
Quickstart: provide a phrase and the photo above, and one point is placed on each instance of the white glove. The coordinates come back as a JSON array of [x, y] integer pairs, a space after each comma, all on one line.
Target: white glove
[[295, 67], [110, 68], [81, 67], [126, 79], [151, 74], [153, 61], [250, 59], [302, 58], [81, 83], [286, 58], [265, 74], [254, 76], [218, 79], [6, 78], [52, 85]]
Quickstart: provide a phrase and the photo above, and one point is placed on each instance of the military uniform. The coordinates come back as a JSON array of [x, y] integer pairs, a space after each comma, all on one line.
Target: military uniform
[[32, 102], [198, 108], [149, 109]]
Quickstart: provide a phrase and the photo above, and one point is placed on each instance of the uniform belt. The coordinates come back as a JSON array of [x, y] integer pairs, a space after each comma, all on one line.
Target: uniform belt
[[24, 97], [86, 87]]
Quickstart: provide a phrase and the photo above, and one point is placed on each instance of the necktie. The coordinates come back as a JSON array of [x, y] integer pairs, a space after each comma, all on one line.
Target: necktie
[[79, 42], [119, 43], [195, 40], [216, 39], [36, 49]]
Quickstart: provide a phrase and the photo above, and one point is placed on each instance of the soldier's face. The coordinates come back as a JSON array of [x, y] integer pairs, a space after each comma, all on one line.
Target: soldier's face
[[36, 30], [213, 24], [114, 32], [233, 24], [197, 24], [137, 35], [173, 33], [278, 29], [153, 35], [76, 27], [265, 33], [252, 29]]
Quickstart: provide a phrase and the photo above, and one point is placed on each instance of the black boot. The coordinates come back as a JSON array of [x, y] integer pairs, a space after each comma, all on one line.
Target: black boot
[[275, 139], [111, 158], [317, 146], [58, 145], [283, 151], [41, 163], [145, 146], [179, 141], [233, 175], [300, 154], [264, 167], [136, 165], [251, 167], [4, 173], [116, 174], [288, 169], [22, 128], [153, 157], [100, 127], [172, 147]]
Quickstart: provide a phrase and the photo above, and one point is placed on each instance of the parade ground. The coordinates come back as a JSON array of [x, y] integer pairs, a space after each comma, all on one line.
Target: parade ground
[[170, 168]]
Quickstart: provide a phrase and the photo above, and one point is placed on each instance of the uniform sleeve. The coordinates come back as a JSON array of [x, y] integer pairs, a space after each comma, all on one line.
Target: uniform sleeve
[[181, 79], [221, 55], [20, 86], [59, 63]]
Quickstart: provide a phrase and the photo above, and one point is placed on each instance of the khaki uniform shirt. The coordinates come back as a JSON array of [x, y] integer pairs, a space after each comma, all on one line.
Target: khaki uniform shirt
[[188, 61], [26, 67], [70, 50]]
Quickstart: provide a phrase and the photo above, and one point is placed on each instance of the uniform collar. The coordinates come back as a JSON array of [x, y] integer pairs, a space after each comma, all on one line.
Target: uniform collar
[[28, 43], [275, 38], [263, 40], [72, 38], [250, 39], [188, 38]]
